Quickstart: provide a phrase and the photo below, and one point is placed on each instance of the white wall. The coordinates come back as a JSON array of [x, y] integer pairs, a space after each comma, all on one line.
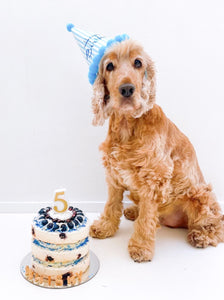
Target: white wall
[[46, 136]]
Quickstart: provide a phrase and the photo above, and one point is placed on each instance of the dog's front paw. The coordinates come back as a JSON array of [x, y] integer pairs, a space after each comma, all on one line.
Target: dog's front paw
[[102, 229], [139, 253]]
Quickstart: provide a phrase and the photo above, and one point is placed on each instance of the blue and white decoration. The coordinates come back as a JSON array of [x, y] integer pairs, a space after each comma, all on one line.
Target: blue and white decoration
[[93, 47], [46, 221]]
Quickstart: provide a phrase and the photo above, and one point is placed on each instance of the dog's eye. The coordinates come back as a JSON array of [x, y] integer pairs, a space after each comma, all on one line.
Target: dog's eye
[[110, 67], [137, 63]]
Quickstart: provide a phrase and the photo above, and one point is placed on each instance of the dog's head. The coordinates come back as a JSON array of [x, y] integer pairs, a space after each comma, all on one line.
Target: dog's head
[[125, 83]]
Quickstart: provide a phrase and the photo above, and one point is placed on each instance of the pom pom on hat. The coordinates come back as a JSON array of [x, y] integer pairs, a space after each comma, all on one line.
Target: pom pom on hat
[[70, 26]]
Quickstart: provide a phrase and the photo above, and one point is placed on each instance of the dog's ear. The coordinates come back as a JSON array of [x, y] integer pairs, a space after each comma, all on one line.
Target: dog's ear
[[149, 81], [98, 102]]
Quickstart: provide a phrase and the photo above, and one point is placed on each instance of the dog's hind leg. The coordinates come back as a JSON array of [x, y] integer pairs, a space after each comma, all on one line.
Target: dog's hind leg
[[131, 212], [205, 220]]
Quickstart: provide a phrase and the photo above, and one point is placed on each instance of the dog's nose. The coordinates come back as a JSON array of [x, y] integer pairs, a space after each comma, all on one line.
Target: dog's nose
[[127, 89]]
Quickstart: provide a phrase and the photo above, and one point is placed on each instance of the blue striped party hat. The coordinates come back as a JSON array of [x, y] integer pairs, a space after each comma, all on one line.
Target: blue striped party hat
[[93, 47]]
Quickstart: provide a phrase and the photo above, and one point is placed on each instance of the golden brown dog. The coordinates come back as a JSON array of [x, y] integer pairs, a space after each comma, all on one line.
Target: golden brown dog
[[146, 154]]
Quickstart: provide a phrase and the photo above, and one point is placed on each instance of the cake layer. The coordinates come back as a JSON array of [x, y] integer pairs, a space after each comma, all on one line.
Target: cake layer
[[59, 253], [61, 237], [48, 226], [59, 268]]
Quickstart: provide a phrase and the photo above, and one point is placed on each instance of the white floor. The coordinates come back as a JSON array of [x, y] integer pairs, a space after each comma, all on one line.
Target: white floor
[[178, 271]]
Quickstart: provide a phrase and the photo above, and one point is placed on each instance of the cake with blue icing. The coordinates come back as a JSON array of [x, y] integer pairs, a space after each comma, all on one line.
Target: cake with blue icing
[[60, 242]]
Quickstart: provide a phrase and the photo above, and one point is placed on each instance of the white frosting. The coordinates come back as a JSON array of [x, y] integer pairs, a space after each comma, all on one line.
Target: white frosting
[[51, 271], [53, 237], [61, 216], [60, 256]]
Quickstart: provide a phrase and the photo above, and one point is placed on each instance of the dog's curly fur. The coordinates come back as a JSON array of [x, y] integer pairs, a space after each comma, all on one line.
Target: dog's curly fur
[[146, 154]]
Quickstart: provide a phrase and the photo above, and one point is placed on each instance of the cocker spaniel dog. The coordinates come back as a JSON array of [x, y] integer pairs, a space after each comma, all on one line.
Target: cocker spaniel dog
[[146, 154]]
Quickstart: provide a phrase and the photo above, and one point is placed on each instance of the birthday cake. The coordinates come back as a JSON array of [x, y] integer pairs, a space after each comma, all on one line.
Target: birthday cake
[[60, 243]]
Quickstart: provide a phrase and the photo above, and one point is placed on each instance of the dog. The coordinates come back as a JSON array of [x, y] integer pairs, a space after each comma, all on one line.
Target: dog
[[146, 154]]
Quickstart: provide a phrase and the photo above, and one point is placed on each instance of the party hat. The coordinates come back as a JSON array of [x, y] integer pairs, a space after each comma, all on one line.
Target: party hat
[[93, 47]]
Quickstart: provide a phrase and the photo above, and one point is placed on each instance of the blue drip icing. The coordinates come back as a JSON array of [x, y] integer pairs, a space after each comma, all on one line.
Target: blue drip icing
[[82, 243], [94, 67], [66, 247]]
